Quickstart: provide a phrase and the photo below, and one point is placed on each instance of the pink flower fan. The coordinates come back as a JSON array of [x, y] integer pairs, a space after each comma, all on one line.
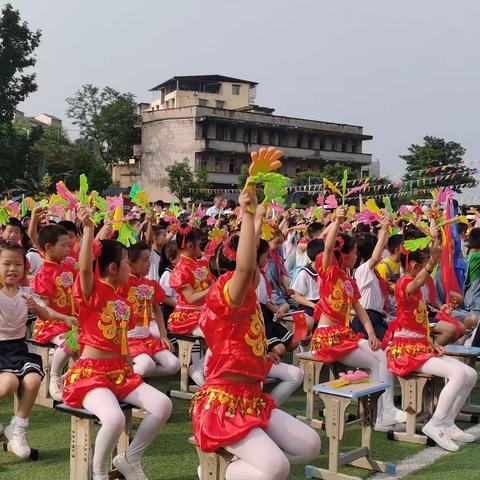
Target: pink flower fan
[[114, 203], [321, 200], [331, 202], [276, 207], [368, 217], [67, 195], [444, 194], [211, 221]]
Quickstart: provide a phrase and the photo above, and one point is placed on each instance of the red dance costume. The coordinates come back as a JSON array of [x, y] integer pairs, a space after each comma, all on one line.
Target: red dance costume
[[196, 274], [72, 260], [406, 354], [225, 411], [338, 292], [104, 321], [55, 282], [141, 294]]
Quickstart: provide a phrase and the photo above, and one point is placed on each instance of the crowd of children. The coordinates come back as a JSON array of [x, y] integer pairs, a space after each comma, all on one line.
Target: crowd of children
[[367, 290]]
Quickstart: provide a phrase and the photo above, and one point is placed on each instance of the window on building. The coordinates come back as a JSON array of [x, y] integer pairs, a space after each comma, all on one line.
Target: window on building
[[284, 139], [231, 166], [203, 162], [322, 144], [344, 146], [218, 165], [259, 137], [310, 141], [334, 145], [220, 104], [220, 133], [299, 141], [235, 89], [233, 134], [238, 167], [354, 148], [273, 138], [266, 137], [246, 134], [204, 130], [202, 102]]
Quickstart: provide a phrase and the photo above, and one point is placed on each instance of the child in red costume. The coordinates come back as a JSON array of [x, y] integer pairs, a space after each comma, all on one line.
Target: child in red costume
[[72, 256], [54, 284], [409, 347], [230, 410], [334, 339], [103, 375], [151, 356]]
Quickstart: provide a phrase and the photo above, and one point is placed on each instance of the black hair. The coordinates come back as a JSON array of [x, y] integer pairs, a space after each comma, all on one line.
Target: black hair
[[362, 228], [112, 252], [410, 232], [136, 249], [314, 228], [168, 251], [160, 203], [68, 226], [158, 229], [314, 247], [50, 234], [262, 248], [348, 245], [14, 247], [474, 238], [219, 263], [194, 235], [366, 243], [394, 242], [231, 204], [418, 256], [15, 222]]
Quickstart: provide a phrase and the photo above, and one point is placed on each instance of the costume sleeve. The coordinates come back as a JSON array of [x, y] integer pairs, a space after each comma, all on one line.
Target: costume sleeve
[[43, 284], [401, 288], [159, 294], [181, 277]]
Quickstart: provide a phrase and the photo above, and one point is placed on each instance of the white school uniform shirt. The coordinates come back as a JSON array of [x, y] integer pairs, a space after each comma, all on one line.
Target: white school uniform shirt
[[262, 292], [13, 314], [371, 296], [306, 285], [35, 261], [165, 284], [154, 265]]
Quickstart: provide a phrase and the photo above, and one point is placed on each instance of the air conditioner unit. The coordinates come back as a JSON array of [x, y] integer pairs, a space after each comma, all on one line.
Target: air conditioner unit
[[195, 94]]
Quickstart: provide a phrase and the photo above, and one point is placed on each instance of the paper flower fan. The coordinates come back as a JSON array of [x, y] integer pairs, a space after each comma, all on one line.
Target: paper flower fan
[[371, 205], [331, 202], [127, 235], [3, 216], [277, 208], [57, 206], [13, 209], [331, 186], [275, 186], [83, 191], [418, 243], [70, 343], [211, 221], [368, 217], [117, 218], [264, 161], [216, 235], [267, 231], [67, 195], [139, 197], [320, 200]]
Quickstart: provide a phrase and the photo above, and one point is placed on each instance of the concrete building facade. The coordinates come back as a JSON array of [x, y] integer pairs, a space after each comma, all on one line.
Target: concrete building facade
[[178, 126]]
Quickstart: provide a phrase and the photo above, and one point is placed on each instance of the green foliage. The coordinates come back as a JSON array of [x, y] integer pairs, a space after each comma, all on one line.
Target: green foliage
[[180, 179], [108, 120], [332, 171], [17, 44], [201, 181], [435, 152], [242, 178]]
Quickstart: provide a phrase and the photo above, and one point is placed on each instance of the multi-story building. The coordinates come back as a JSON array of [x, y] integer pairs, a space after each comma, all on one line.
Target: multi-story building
[[211, 122], [43, 120]]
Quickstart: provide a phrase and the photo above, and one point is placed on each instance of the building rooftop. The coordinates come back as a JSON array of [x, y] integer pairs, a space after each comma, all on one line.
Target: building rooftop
[[198, 82]]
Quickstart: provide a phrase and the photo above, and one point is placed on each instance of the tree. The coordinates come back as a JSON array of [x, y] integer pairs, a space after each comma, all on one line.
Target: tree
[[180, 179], [242, 178], [17, 44], [435, 154], [108, 120], [201, 182], [332, 171]]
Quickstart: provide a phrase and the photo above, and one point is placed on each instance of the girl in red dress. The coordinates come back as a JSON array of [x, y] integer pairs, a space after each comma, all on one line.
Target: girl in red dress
[[230, 410], [151, 356], [103, 375], [410, 348], [191, 279], [334, 338]]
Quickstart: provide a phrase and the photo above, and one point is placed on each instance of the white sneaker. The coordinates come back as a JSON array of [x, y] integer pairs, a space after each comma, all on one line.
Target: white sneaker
[[55, 388], [440, 437], [131, 471], [17, 439], [196, 374], [387, 422], [459, 435]]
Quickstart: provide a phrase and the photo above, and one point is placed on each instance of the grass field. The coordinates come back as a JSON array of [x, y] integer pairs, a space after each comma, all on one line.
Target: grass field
[[170, 456]]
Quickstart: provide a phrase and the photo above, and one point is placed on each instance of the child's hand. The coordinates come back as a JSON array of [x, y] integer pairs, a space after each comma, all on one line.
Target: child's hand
[[341, 214], [84, 216], [39, 214], [435, 251], [248, 199], [455, 300], [374, 343], [32, 305], [261, 212], [166, 343], [275, 358], [70, 321], [105, 232], [439, 350]]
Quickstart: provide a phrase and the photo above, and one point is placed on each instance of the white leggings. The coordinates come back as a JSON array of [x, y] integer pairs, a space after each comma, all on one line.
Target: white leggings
[[290, 379], [267, 454], [461, 380], [162, 364], [59, 358], [376, 362], [103, 403]]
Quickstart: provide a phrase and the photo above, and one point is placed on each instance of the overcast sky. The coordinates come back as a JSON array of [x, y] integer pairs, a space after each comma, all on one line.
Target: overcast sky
[[402, 69]]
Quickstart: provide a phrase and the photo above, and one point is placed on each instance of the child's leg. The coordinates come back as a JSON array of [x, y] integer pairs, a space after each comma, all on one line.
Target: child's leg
[[144, 365], [461, 380], [290, 378], [59, 359], [159, 407], [259, 458], [298, 441], [29, 386], [104, 404], [197, 369], [166, 363], [445, 333], [8, 384]]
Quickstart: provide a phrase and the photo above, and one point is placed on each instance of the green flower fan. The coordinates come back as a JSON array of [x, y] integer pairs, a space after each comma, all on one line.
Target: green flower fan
[[275, 186], [71, 339], [127, 235], [419, 243], [3, 216], [83, 191]]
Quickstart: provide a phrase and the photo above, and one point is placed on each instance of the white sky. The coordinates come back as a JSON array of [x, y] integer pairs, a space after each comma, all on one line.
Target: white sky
[[402, 69]]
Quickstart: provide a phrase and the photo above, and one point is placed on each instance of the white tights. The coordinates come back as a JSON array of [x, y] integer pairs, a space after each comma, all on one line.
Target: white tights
[[461, 380], [59, 358], [162, 364], [376, 362], [103, 404], [290, 379], [267, 454]]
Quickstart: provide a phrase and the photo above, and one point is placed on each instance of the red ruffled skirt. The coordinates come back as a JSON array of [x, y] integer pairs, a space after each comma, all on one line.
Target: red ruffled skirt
[[183, 321], [45, 331], [406, 354], [223, 412], [149, 346], [88, 373], [332, 343]]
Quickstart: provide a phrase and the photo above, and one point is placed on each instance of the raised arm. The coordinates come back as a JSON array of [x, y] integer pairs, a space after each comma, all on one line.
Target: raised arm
[[381, 244], [246, 264], [86, 253], [332, 237], [37, 216]]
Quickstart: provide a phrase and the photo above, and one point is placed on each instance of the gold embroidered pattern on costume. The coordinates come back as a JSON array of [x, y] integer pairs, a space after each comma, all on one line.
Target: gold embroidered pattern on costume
[[421, 314], [258, 340]]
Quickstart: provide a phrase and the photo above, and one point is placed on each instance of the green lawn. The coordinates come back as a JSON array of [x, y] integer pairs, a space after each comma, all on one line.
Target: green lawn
[[170, 457]]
